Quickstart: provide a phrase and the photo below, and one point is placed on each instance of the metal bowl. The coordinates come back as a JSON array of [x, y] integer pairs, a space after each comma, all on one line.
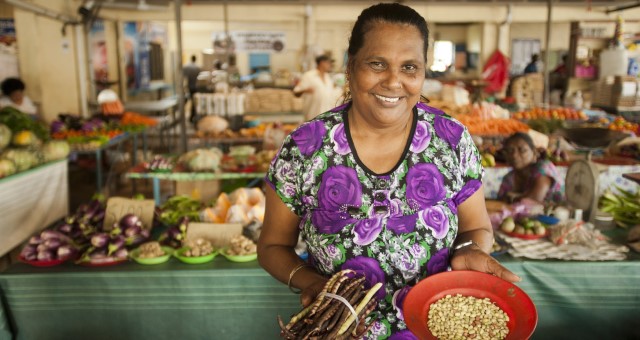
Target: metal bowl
[[592, 137]]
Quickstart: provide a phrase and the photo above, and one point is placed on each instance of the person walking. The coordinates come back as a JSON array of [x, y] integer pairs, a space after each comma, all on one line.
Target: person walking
[[190, 72], [317, 89]]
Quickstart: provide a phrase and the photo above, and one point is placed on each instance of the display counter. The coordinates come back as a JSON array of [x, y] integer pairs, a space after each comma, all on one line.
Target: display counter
[[224, 300], [32, 200]]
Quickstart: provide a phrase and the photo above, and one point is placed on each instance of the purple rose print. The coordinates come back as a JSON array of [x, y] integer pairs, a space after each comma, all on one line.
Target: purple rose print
[[370, 269], [366, 231], [429, 109], [340, 186], [330, 222], [425, 186], [403, 335], [436, 220], [309, 137], [340, 108], [421, 138], [448, 130], [402, 224], [395, 207], [438, 262], [398, 300], [467, 190], [452, 206], [341, 145]]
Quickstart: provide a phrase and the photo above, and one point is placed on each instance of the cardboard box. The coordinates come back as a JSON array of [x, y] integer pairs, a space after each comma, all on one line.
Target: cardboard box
[[199, 190], [219, 234]]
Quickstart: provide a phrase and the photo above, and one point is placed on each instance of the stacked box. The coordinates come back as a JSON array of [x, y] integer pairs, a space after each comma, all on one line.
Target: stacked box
[[618, 91]]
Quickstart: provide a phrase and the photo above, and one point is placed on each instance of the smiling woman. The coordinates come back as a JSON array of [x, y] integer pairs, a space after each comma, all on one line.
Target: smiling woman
[[383, 185]]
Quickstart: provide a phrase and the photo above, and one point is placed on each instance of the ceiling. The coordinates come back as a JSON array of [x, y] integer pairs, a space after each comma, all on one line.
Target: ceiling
[[612, 3]]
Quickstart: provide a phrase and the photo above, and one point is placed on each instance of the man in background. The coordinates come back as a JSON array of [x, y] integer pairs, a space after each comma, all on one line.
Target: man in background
[[190, 72], [533, 66], [317, 89]]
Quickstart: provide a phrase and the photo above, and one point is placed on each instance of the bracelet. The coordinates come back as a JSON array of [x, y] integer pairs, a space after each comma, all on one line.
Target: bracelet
[[293, 272], [462, 245]]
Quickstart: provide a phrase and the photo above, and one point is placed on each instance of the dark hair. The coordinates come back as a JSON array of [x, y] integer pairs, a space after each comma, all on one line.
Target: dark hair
[[193, 58], [11, 85], [386, 12], [322, 58], [520, 136]]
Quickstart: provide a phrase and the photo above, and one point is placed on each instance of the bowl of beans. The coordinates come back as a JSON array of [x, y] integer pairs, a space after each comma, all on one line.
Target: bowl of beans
[[469, 305]]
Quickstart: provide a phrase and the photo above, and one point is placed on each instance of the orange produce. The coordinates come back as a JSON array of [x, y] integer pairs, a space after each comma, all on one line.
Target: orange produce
[[492, 127], [563, 113]]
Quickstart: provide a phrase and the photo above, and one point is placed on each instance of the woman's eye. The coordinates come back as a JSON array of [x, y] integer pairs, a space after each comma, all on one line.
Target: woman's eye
[[410, 68], [376, 65]]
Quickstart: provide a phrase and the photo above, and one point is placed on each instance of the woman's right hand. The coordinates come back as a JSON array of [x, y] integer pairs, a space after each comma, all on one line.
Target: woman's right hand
[[311, 292]]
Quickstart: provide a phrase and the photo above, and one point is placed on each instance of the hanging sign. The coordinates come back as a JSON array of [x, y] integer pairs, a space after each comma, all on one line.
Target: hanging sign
[[250, 41]]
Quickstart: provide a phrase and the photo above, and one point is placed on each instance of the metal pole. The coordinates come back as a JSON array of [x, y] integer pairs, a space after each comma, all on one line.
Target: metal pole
[[81, 54], [179, 80], [547, 58]]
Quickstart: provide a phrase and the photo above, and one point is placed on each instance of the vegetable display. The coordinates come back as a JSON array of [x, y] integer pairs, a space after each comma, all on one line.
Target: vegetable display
[[330, 318], [49, 245], [623, 206], [176, 207]]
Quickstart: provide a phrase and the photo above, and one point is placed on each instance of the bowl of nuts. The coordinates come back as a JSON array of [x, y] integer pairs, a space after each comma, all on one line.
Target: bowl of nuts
[[197, 251], [151, 253], [470, 305]]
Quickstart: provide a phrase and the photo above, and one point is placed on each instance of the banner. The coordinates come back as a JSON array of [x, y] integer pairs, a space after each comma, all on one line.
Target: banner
[[7, 31], [136, 54], [98, 50], [249, 41]]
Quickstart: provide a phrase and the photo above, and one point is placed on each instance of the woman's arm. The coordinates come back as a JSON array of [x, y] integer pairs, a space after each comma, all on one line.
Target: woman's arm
[[540, 188], [474, 225], [276, 254]]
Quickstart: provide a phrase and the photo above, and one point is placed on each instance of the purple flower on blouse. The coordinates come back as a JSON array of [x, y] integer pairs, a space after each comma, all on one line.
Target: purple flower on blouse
[[402, 224], [398, 300], [452, 206], [309, 137], [340, 108], [395, 209], [370, 269], [425, 185], [403, 335], [340, 187], [467, 190], [429, 109], [436, 220], [438, 262], [421, 138], [448, 130], [330, 222], [340, 143], [366, 231]]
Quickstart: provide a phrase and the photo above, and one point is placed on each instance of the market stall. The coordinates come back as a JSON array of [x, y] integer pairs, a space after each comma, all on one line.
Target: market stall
[[575, 300]]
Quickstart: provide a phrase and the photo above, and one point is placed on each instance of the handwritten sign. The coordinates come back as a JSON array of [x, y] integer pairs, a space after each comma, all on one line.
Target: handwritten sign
[[219, 234], [120, 206]]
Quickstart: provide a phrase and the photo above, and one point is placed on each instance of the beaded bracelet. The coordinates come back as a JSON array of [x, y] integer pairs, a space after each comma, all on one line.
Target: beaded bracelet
[[293, 272]]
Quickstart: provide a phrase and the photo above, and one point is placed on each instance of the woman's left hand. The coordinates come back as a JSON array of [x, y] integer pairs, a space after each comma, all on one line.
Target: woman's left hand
[[473, 258]]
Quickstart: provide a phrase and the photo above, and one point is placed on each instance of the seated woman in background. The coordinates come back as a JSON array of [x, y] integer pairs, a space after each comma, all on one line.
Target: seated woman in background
[[531, 177], [13, 96]]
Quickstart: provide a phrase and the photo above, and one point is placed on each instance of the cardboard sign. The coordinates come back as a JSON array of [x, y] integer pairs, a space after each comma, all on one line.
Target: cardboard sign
[[219, 234], [120, 206]]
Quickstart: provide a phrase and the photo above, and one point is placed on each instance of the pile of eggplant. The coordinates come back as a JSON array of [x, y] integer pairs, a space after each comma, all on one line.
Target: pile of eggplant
[[49, 245]]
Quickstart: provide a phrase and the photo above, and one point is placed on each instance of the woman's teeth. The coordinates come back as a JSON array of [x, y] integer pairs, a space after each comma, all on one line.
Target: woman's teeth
[[387, 99]]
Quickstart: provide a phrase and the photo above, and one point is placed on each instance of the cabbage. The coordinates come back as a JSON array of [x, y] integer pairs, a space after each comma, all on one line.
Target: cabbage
[[25, 138], [23, 159], [55, 150], [201, 160], [7, 168], [5, 136]]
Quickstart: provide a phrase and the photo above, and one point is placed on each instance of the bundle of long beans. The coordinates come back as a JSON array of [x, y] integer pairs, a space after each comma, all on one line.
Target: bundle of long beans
[[330, 318]]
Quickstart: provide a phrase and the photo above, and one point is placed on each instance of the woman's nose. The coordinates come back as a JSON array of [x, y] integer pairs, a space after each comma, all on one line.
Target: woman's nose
[[392, 80]]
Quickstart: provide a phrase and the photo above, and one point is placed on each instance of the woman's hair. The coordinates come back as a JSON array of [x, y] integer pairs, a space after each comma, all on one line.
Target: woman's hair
[[10, 85], [394, 13], [520, 136]]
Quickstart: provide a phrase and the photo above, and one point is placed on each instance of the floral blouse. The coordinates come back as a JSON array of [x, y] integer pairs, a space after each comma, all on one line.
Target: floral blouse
[[395, 228], [540, 168]]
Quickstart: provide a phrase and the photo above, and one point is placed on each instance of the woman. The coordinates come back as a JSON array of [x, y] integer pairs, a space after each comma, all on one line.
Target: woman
[[13, 96], [383, 184], [537, 179]]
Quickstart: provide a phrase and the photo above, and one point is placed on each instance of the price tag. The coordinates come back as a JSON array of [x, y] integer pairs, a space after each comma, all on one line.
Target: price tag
[[219, 234], [120, 206]]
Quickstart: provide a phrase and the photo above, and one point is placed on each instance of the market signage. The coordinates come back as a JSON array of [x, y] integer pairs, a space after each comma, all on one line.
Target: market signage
[[249, 41]]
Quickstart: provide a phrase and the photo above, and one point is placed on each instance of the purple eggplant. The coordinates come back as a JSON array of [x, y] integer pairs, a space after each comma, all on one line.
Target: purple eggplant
[[146, 233], [135, 240], [45, 255], [42, 247], [122, 253], [129, 221], [174, 234], [116, 244], [132, 231], [52, 243], [100, 240], [29, 252], [66, 252], [49, 234], [35, 239], [65, 228]]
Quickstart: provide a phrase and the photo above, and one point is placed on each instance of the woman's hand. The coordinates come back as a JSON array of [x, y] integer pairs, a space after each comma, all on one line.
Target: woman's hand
[[311, 292], [473, 258]]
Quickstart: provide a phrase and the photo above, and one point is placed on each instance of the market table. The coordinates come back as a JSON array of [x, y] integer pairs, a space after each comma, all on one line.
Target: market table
[[223, 300]]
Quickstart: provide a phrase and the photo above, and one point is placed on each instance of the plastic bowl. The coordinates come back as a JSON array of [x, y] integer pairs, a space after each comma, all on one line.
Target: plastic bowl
[[179, 254], [135, 255], [522, 313], [239, 258]]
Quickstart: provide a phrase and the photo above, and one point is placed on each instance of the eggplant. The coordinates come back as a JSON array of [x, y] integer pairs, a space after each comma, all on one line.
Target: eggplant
[[130, 220], [135, 240], [146, 233], [66, 252], [42, 247], [122, 253], [65, 228], [100, 240], [29, 252], [52, 243], [45, 255], [35, 239], [48, 234], [116, 244], [132, 231], [174, 234]]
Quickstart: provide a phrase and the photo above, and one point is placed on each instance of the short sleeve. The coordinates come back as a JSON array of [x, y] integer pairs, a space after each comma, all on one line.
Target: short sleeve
[[546, 168], [284, 175], [305, 83], [471, 168]]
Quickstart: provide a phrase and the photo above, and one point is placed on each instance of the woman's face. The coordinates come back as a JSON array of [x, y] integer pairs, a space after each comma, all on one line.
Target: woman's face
[[17, 96], [387, 73], [519, 154]]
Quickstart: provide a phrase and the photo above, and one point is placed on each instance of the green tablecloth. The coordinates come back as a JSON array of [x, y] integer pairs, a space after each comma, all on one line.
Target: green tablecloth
[[223, 300]]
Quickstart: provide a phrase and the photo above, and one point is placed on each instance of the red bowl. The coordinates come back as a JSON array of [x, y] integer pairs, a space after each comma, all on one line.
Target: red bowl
[[50, 263], [522, 313], [527, 237]]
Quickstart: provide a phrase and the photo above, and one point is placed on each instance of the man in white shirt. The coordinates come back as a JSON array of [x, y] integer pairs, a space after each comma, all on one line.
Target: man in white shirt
[[317, 89], [190, 72], [13, 95]]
